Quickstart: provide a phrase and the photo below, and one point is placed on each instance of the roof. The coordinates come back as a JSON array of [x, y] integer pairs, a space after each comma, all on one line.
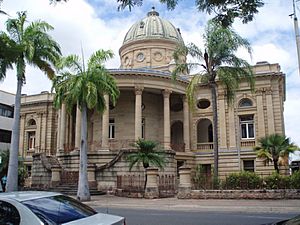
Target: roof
[[26, 195], [153, 27]]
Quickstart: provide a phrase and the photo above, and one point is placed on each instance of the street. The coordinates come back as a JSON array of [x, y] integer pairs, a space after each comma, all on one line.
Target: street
[[165, 217]]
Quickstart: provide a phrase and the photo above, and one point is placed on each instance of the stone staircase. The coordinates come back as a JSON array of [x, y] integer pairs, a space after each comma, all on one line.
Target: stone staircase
[[71, 189]]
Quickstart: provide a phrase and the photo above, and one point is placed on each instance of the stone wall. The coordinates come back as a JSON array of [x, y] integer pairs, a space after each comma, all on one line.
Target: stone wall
[[41, 173], [240, 194]]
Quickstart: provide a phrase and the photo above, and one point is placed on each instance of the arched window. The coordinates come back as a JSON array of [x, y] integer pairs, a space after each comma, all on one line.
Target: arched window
[[203, 103], [245, 102], [31, 122]]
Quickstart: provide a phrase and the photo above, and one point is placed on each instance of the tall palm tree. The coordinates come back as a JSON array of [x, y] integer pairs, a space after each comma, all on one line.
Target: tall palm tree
[[273, 147], [147, 154], [220, 67], [37, 48], [85, 87]]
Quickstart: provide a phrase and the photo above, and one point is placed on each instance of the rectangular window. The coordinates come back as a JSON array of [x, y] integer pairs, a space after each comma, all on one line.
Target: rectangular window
[[143, 128], [31, 140], [111, 131], [248, 165], [5, 136], [247, 127], [6, 111]]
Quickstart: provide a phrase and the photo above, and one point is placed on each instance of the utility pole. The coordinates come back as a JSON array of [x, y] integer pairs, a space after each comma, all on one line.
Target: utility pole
[[296, 33]]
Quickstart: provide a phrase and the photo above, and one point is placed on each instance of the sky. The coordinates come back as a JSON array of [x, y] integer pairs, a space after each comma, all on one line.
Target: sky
[[97, 24]]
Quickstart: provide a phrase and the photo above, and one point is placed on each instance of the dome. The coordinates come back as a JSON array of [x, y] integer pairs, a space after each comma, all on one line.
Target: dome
[[153, 27]]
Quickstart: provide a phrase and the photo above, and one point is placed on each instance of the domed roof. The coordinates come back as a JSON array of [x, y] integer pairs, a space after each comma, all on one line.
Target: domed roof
[[153, 27]]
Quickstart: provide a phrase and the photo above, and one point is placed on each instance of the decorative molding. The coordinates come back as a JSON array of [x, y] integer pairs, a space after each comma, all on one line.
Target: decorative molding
[[166, 93], [138, 90]]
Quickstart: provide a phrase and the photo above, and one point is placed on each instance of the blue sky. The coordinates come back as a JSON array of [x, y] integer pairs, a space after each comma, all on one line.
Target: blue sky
[[97, 24]]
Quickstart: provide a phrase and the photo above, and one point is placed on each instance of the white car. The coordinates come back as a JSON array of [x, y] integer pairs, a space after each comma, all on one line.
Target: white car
[[49, 208]]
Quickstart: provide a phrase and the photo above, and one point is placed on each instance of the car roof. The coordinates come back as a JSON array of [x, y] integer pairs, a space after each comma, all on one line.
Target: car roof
[[27, 195]]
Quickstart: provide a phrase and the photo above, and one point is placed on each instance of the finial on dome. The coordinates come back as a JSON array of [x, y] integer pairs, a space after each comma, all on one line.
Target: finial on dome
[[153, 12]]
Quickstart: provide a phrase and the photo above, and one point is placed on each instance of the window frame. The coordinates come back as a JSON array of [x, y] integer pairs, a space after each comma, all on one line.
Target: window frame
[[111, 128], [247, 123], [249, 169]]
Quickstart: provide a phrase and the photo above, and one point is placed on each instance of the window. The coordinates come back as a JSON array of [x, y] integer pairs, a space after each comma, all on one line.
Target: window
[[5, 136], [9, 214], [58, 209], [31, 140], [203, 104], [247, 127], [31, 122], [111, 131], [143, 128], [248, 165], [6, 111], [245, 102]]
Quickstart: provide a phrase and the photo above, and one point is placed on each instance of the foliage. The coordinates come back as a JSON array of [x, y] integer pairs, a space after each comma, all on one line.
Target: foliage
[[277, 181], [242, 180], [219, 64], [273, 147], [85, 87], [147, 154], [295, 180], [36, 47], [225, 10]]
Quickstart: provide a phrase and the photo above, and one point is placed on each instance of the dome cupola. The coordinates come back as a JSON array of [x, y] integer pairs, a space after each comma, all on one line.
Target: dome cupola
[[150, 43]]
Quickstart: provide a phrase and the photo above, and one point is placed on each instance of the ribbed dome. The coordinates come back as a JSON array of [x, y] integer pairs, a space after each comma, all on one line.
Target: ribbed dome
[[153, 27]]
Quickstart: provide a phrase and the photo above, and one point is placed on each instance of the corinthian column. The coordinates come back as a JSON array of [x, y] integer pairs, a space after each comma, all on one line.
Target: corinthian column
[[138, 113], [186, 124], [167, 132], [62, 127], [105, 123], [78, 128]]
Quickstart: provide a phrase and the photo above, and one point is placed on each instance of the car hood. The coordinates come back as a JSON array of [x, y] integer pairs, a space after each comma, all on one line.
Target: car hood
[[98, 219]]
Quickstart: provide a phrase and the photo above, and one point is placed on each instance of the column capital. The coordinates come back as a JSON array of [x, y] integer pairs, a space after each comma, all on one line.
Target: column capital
[[259, 91], [166, 93], [138, 90]]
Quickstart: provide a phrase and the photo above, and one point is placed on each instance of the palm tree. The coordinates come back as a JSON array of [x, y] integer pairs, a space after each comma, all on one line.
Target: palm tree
[[220, 67], [147, 154], [36, 47], [85, 87], [275, 147]]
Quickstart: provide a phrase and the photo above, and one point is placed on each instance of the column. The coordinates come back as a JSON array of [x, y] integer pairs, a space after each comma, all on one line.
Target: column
[[58, 129], [62, 127], [261, 131], [77, 128], [222, 122], [186, 124], [138, 113], [44, 138], [232, 129], [39, 132], [270, 111], [105, 124], [167, 132], [152, 183], [22, 136]]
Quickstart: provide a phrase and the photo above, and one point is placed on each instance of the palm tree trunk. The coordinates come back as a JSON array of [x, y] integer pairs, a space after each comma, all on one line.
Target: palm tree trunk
[[83, 192], [276, 165], [215, 129], [12, 177]]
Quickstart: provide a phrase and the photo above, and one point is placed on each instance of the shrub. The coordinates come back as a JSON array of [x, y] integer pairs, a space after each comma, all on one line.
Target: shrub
[[242, 180], [277, 181], [295, 180]]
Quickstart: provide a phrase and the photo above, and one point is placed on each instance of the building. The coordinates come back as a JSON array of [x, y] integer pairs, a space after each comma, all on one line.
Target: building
[[7, 101], [154, 107]]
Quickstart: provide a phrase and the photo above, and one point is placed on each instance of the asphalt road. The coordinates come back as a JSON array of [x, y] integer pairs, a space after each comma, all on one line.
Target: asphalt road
[[174, 217]]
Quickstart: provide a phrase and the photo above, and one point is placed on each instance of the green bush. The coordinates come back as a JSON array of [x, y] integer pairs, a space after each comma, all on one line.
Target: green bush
[[277, 181], [295, 180], [242, 180]]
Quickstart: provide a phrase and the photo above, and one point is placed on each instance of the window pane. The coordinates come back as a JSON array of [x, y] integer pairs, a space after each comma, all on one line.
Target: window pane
[[251, 130], [59, 209], [249, 165], [244, 130], [8, 214]]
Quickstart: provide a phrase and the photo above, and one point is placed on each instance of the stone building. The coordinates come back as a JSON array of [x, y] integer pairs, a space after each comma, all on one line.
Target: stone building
[[153, 106]]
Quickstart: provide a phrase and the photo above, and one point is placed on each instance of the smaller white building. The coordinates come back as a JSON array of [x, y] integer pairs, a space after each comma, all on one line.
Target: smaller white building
[[7, 101]]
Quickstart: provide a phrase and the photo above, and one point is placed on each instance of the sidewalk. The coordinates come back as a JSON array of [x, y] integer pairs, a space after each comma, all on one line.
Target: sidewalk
[[263, 206]]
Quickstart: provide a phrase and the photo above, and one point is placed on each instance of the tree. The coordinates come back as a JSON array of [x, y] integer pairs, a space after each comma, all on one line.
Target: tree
[[147, 154], [85, 87], [35, 47], [273, 147], [221, 67], [226, 10]]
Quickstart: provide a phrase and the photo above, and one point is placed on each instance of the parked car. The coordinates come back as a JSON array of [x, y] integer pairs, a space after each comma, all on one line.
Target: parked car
[[49, 208]]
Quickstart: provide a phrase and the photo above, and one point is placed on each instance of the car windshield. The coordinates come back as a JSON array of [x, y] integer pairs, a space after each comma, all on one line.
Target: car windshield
[[58, 209]]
